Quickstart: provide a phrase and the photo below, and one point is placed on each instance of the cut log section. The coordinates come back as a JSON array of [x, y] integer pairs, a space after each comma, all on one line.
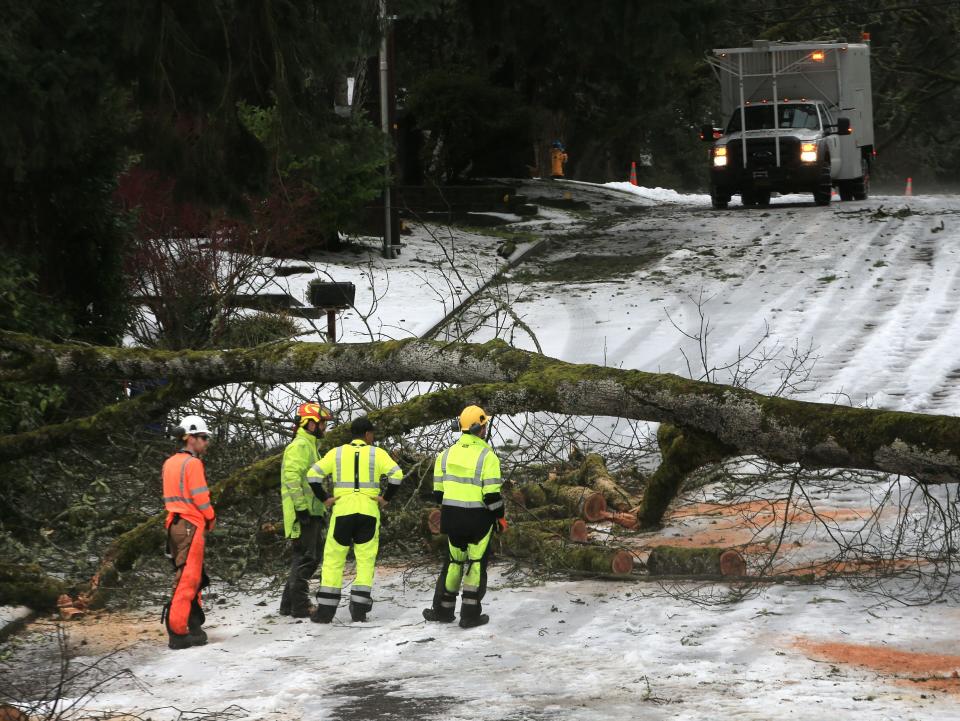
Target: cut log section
[[594, 473], [433, 520], [570, 529], [674, 561], [579, 500], [553, 554]]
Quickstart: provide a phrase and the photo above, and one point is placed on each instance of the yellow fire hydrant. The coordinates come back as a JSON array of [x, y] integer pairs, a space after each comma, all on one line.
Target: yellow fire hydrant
[[558, 157]]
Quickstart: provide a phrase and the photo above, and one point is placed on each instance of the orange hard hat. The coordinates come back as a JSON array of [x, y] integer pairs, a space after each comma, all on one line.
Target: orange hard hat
[[312, 412]]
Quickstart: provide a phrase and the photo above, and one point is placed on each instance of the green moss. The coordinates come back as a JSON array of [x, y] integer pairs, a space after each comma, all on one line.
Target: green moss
[[674, 561], [683, 451], [29, 586]]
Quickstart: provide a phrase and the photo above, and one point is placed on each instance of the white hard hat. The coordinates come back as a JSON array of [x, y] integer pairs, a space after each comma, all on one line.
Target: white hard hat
[[192, 425]]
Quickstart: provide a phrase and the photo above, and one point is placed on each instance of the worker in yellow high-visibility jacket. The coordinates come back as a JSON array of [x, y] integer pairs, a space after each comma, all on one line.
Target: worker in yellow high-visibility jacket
[[354, 470], [466, 482]]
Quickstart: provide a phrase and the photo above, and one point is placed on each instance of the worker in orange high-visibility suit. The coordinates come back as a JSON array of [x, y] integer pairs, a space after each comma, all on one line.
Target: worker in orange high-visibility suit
[[558, 158], [189, 516]]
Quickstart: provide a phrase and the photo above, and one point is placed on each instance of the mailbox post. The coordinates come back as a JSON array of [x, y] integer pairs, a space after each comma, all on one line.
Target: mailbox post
[[333, 297]]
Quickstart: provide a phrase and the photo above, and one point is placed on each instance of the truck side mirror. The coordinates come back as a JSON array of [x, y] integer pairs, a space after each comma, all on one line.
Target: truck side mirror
[[708, 133], [843, 126]]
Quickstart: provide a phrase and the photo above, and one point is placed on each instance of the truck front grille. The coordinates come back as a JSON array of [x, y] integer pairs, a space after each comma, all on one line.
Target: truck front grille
[[762, 153]]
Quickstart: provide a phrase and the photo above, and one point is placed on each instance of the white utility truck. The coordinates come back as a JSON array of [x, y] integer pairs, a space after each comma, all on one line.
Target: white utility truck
[[800, 120]]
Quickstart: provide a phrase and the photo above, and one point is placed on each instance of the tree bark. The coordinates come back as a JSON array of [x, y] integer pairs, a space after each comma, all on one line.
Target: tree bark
[[678, 561], [553, 554], [29, 586], [815, 435], [682, 451], [594, 473]]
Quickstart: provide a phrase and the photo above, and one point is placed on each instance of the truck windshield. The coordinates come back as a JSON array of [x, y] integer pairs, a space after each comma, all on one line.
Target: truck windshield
[[760, 117]]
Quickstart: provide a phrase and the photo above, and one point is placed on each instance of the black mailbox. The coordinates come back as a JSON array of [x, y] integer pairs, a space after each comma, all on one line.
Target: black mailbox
[[332, 295]]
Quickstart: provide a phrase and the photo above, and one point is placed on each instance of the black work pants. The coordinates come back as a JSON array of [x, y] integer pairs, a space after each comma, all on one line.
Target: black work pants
[[307, 551]]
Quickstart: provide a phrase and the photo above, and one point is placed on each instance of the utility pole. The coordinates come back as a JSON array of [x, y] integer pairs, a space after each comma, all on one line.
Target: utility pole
[[385, 125]]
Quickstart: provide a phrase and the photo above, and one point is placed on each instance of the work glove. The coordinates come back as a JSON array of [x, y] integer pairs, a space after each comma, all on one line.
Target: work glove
[[501, 525]]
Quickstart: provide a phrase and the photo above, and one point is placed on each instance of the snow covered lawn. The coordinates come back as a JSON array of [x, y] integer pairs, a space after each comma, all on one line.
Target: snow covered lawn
[[558, 650]]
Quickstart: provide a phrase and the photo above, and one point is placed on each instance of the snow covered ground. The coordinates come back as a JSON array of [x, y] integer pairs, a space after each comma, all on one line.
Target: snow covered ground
[[870, 286], [560, 650]]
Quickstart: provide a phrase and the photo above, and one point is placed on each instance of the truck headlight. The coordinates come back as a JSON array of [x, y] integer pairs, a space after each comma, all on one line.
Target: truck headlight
[[720, 157], [808, 152]]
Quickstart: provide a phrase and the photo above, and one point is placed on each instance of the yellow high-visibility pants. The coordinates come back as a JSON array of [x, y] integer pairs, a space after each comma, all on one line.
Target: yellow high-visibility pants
[[355, 522], [466, 564]]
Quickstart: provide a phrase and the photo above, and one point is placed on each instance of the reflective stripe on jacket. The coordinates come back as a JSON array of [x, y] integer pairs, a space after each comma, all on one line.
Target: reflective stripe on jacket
[[295, 492], [355, 468], [185, 489], [468, 475]]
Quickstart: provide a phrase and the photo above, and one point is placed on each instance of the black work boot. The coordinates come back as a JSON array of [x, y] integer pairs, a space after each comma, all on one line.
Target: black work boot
[[302, 611], [323, 614], [472, 621], [431, 614], [186, 640], [358, 612]]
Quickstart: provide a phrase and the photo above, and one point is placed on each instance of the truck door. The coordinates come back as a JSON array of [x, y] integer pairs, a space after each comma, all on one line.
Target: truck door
[[832, 142]]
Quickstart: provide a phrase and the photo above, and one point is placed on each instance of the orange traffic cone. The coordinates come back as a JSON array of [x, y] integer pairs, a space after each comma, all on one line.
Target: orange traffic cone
[[633, 172], [909, 190]]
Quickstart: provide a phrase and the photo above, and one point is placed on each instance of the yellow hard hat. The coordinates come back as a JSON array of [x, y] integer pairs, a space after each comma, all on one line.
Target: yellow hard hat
[[473, 416]]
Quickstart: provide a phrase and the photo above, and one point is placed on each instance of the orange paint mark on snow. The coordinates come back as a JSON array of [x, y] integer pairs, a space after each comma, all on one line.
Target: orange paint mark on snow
[[873, 566], [713, 536], [771, 510], [934, 671]]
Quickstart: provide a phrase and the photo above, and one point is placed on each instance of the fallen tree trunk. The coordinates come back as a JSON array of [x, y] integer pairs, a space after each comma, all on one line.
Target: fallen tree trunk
[[682, 451], [815, 435], [123, 414], [29, 586]]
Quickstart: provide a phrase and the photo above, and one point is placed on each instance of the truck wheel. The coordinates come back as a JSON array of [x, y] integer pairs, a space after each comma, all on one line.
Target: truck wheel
[[719, 199], [747, 198], [861, 186], [824, 189], [846, 188], [762, 198]]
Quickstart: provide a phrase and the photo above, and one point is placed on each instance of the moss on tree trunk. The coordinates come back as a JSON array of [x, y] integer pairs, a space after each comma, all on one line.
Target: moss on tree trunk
[[29, 586], [551, 553], [682, 451], [594, 473], [816, 435], [679, 561]]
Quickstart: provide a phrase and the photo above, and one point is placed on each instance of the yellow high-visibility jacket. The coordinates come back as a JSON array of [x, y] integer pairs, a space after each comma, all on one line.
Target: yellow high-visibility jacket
[[355, 470], [466, 480]]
